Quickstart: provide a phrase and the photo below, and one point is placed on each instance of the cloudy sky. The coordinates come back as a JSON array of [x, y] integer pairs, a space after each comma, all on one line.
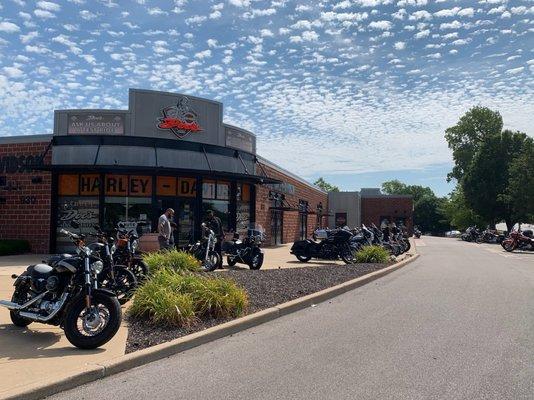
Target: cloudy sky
[[357, 91]]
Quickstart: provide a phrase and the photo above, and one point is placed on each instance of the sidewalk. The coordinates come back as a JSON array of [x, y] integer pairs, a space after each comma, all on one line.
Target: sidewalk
[[40, 353]]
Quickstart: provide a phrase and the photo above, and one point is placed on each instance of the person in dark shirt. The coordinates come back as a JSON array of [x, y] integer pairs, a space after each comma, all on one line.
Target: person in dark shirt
[[215, 224]]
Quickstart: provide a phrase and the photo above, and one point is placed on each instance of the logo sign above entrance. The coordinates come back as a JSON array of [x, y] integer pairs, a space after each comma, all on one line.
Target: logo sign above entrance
[[180, 119]]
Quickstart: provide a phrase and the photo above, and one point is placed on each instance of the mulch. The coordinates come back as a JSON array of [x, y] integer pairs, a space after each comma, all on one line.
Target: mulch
[[266, 288]]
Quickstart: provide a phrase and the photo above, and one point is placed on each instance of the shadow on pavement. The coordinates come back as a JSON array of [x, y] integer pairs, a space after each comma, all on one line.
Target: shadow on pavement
[[26, 343]]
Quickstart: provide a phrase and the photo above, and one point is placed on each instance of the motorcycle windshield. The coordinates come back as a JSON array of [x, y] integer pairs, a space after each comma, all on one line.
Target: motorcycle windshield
[[256, 231]]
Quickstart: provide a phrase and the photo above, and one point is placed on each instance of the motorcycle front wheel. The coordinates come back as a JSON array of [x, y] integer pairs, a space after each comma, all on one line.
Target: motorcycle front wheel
[[347, 254], [91, 329], [211, 262], [124, 284], [509, 246], [231, 261], [257, 261]]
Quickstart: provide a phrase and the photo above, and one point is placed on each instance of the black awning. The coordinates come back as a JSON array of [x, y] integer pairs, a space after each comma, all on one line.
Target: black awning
[[255, 179]]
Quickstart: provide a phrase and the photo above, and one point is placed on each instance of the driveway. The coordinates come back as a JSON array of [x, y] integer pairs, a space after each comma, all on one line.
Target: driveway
[[455, 324]]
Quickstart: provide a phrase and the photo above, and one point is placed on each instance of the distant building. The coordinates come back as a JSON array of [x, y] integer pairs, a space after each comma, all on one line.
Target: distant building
[[368, 206]]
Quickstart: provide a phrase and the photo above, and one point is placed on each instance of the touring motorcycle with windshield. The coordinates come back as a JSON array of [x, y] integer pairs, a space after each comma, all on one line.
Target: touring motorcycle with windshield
[[67, 295], [246, 251], [519, 240], [334, 245]]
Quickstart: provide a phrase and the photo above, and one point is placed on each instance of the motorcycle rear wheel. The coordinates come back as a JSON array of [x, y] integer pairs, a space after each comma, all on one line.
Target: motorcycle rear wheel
[[20, 296], [303, 258]]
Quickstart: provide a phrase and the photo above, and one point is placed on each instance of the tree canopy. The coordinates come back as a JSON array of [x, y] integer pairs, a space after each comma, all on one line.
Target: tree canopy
[[489, 166], [327, 187]]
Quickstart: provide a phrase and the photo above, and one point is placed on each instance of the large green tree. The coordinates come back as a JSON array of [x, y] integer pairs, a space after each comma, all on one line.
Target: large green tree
[[486, 168], [458, 213], [327, 187], [427, 206], [465, 137]]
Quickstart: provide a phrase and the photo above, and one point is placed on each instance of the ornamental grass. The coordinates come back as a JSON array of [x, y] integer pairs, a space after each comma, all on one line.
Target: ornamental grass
[[372, 255]]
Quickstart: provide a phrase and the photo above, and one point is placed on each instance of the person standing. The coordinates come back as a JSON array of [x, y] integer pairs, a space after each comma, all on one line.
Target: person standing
[[165, 229], [215, 224]]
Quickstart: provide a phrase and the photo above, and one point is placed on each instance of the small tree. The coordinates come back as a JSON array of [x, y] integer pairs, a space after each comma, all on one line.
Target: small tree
[[327, 187]]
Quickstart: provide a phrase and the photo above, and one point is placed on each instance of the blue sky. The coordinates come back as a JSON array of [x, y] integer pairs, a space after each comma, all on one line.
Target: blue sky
[[357, 91]]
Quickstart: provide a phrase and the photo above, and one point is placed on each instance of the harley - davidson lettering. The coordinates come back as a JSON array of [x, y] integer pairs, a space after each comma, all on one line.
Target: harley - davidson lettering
[[179, 119]]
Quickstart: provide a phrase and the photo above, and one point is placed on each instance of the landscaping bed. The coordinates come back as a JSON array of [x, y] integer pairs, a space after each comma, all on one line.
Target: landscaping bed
[[265, 288]]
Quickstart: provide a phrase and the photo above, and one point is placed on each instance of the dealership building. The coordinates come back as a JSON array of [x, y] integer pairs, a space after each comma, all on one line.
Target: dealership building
[[127, 166]]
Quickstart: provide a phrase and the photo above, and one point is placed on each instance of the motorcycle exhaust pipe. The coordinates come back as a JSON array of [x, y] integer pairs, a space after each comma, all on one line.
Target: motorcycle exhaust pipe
[[14, 306], [45, 318], [10, 305]]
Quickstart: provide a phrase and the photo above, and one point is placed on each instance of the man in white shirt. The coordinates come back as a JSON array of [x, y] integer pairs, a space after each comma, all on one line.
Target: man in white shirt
[[165, 229]]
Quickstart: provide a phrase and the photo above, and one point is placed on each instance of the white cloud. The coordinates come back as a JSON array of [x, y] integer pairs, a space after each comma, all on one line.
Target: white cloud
[[383, 25], [87, 15], [400, 45], [48, 5], [240, 3], [514, 71], [420, 14], [13, 72], [422, 34], [310, 36], [9, 27], [43, 14], [451, 25], [203, 54]]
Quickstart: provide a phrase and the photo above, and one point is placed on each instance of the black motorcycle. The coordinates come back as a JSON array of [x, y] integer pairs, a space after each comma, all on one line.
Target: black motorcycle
[[204, 250], [67, 295], [416, 233], [116, 278], [335, 245], [246, 251], [471, 234]]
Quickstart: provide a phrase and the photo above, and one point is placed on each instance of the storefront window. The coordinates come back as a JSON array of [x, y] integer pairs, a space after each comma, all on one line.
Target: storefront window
[[243, 208], [129, 212], [83, 211], [220, 209]]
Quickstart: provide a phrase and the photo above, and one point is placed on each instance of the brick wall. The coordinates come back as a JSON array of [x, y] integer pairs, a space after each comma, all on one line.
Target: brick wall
[[25, 204], [291, 223], [373, 208]]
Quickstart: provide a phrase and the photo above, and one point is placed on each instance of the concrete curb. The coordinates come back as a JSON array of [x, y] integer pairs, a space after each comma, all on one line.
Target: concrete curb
[[93, 372]]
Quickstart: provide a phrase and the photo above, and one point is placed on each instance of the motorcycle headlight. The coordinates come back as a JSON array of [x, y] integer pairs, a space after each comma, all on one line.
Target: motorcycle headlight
[[113, 248], [97, 267], [135, 245]]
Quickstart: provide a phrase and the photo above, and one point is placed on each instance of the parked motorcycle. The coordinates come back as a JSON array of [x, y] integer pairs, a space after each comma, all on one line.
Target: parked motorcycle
[[67, 295], [204, 249], [489, 236], [125, 253], [519, 240], [335, 245], [116, 278], [417, 233], [471, 234], [246, 251], [361, 237]]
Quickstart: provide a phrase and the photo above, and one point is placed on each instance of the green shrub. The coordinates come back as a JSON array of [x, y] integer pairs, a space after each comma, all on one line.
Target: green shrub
[[175, 260], [174, 299], [372, 254], [13, 246]]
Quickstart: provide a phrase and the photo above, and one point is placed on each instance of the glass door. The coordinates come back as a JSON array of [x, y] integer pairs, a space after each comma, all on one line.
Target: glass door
[[184, 218]]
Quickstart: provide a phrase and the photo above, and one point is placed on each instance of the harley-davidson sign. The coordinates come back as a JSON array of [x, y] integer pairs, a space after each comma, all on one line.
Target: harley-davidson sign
[[179, 119]]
